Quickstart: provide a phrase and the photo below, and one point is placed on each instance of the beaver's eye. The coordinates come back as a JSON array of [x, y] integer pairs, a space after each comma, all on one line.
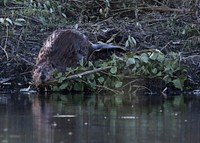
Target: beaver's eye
[[53, 66]]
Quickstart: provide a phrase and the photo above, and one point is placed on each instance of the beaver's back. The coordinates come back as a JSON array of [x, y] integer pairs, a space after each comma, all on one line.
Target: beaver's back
[[63, 48]]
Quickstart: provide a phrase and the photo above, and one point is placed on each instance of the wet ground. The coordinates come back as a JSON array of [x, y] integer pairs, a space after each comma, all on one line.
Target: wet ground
[[99, 119]]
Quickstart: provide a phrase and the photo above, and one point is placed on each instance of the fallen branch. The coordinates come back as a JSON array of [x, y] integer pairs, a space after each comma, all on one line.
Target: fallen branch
[[88, 72]]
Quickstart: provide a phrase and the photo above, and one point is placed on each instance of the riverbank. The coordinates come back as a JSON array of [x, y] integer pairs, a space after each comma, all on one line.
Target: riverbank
[[167, 26]]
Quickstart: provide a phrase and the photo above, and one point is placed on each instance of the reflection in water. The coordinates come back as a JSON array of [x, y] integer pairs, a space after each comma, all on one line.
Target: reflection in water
[[98, 119]]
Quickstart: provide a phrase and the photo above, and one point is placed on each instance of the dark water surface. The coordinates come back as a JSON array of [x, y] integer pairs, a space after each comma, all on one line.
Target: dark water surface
[[99, 119]]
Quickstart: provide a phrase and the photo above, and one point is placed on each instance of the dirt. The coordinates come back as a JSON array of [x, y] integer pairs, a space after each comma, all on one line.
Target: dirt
[[161, 25]]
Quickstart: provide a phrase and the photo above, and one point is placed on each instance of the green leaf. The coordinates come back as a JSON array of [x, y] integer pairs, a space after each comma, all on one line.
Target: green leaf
[[91, 84], [48, 3], [20, 20], [2, 20], [101, 11], [9, 21], [63, 86], [144, 57], [118, 100], [167, 79], [153, 56], [59, 75], [161, 57], [178, 83], [101, 80], [42, 20], [132, 41], [126, 44], [154, 71], [91, 77], [136, 57], [61, 79], [64, 15], [51, 10], [55, 88], [130, 61], [78, 86], [45, 6], [113, 70], [118, 84], [69, 70], [5, 1], [17, 24], [159, 73], [81, 62], [173, 55], [90, 64]]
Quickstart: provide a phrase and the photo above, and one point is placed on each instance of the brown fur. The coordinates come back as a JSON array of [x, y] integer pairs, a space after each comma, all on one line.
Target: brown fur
[[63, 48]]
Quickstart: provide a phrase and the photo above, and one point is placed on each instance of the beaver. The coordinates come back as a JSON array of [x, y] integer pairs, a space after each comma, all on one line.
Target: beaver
[[62, 49]]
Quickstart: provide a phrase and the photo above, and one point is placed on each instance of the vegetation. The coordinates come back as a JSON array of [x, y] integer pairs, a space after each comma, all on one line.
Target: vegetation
[[157, 34], [110, 74]]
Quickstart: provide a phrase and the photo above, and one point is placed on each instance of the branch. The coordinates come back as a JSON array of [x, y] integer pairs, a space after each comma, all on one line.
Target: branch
[[87, 72]]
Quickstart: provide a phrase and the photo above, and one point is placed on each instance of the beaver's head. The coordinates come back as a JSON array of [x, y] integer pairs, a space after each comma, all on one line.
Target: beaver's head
[[43, 74]]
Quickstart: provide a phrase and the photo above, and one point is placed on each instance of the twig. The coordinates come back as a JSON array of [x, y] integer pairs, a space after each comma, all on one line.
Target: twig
[[30, 18], [130, 83], [152, 8], [25, 60], [4, 50], [109, 89], [87, 72], [136, 86], [168, 43], [5, 44]]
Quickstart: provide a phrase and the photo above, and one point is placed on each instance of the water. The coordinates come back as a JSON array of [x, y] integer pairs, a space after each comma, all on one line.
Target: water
[[99, 119]]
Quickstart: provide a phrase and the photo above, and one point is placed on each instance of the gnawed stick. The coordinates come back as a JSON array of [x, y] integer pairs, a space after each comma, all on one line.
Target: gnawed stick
[[88, 72]]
